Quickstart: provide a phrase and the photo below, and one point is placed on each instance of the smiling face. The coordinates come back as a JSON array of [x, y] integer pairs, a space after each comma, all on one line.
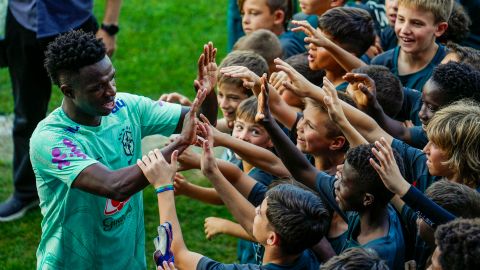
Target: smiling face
[[416, 29], [312, 134], [436, 159], [91, 92], [229, 97], [431, 102], [256, 15], [252, 133]]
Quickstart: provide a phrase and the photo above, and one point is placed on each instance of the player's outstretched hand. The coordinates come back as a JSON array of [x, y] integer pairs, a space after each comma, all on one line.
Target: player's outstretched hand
[[335, 111], [208, 162], [313, 35], [176, 98], [156, 169], [207, 69], [189, 129], [298, 84], [213, 226]]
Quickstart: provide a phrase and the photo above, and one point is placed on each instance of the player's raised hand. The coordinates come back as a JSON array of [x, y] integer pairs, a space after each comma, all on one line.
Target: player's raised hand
[[207, 69], [298, 84]]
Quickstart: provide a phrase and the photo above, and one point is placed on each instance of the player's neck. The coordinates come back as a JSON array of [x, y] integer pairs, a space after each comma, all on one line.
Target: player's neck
[[79, 116]]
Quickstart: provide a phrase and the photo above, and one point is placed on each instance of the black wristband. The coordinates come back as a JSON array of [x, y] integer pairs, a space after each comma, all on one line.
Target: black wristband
[[111, 29]]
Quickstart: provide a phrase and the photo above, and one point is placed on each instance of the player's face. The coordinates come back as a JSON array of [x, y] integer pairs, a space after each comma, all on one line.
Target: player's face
[[347, 195], [320, 58], [311, 132], [415, 29], [431, 102], [229, 97], [256, 15], [94, 89], [436, 159], [251, 132], [314, 7]]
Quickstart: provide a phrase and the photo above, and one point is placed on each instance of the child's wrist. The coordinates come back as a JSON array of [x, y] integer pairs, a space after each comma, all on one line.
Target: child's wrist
[[162, 188]]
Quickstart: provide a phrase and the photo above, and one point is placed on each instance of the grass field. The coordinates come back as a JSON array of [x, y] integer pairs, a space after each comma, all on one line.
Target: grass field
[[158, 46]]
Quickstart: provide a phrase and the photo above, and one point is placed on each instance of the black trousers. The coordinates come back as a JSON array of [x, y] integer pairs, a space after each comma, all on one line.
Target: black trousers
[[31, 89]]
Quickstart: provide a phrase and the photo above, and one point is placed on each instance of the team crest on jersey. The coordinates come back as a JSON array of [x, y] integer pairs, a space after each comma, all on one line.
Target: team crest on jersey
[[126, 138], [113, 206]]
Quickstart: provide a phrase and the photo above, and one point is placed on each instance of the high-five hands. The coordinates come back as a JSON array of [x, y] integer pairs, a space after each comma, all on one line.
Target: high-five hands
[[207, 69]]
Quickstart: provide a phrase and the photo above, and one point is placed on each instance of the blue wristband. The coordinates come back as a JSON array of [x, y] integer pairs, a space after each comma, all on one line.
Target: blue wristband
[[163, 188]]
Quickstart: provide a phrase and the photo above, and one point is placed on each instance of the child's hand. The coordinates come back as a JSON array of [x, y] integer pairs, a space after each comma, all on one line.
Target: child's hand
[[249, 78], [189, 134], [176, 98], [298, 84], [263, 110], [313, 35], [335, 111], [207, 69], [208, 162], [156, 169], [189, 160], [388, 169], [277, 79], [364, 91], [167, 266], [213, 226], [217, 134], [180, 184]]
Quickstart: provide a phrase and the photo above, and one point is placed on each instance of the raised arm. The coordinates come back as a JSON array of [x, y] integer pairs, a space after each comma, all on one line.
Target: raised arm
[[160, 173], [299, 167], [112, 13], [241, 209], [347, 60], [203, 194], [207, 79], [215, 226]]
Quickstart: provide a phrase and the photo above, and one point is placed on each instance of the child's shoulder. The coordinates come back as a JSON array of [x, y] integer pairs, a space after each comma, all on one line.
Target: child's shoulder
[[291, 44], [385, 58]]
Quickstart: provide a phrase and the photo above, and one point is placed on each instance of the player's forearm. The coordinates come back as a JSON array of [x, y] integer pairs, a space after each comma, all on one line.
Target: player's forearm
[[209, 107], [296, 163], [238, 206], [351, 134], [112, 11]]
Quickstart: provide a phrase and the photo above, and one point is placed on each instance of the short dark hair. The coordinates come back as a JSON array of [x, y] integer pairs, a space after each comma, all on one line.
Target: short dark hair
[[458, 242], [353, 28], [263, 42], [389, 87], [70, 52], [458, 199], [356, 258], [284, 5], [368, 179], [466, 55], [298, 216], [458, 25], [247, 109], [300, 63], [457, 81], [248, 59]]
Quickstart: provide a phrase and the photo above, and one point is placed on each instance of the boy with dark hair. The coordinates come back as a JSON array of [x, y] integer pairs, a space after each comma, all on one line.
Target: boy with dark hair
[[355, 259], [358, 189], [457, 245], [272, 15], [418, 24], [287, 223], [263, 42], [83, 157], [462, 54]]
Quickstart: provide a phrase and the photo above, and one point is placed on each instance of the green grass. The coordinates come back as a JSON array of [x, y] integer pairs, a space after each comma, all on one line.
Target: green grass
[[158, 47]]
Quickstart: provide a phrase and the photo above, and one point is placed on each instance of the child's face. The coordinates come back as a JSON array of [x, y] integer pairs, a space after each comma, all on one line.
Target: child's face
[[261, 228], [229, 97], [251, 132], [311, 132], [256, 15], [314, 7], [391, 7], [436, 159], [416, 30], [347, 194], [320, 58], [431, 102]]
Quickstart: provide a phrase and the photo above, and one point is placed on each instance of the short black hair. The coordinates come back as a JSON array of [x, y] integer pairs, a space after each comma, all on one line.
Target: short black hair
[[368, 179], [458, 199], [458, 25], [356, 258], [300, 63], [353, 28], [298, 216], [465, 54], [389, 88], [70, 52], [457, 81], [458, 242]]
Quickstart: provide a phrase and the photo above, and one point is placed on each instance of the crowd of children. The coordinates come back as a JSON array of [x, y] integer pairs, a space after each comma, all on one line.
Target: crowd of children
[[352, 138]]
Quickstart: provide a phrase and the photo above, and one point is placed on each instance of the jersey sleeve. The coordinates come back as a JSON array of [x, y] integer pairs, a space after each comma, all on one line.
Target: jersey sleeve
[[155, 117], [58, 157]]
